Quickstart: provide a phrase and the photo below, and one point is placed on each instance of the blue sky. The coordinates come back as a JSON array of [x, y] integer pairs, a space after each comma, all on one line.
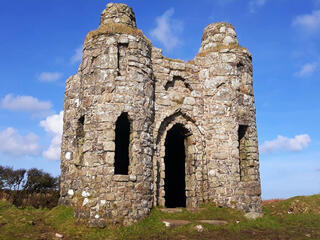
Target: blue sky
[[40, 46]]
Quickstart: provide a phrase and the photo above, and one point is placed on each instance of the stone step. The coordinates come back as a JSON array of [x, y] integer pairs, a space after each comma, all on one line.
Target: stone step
[[170, 210], [174, 222], [194, 210], [177, 222], [213, 222], [176, 210]]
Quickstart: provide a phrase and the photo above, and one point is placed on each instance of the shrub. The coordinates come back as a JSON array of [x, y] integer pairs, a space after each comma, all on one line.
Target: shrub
[[36, 188], [39, 181], [11, 179]]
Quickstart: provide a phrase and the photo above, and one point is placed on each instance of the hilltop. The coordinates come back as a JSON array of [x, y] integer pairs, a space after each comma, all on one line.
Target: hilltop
[[294, 218]]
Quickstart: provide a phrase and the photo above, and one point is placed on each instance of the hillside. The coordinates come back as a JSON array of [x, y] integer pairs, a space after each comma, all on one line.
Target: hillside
[[294, 218]]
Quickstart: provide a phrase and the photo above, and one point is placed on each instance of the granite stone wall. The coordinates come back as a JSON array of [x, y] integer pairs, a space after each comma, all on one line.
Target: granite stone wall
[[210, 96]]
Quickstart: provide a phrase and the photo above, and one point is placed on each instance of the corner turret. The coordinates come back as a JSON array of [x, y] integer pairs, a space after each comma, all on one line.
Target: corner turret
[[118, 13], [216, 34]]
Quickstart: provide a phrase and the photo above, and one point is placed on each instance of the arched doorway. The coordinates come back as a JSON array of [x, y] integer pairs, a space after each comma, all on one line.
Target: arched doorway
[[175, 167]]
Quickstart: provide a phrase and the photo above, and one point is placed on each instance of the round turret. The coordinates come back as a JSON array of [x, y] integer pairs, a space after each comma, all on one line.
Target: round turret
[[118, 13], [216, 34]]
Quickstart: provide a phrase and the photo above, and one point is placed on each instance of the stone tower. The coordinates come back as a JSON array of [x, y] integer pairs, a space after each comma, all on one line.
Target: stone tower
[[142, 130]]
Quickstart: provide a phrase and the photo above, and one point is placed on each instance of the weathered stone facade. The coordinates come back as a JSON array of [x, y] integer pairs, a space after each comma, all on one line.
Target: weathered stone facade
[[207, 102]]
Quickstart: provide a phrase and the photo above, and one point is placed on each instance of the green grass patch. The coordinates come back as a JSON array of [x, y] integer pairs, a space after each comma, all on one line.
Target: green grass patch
[[295, 218]]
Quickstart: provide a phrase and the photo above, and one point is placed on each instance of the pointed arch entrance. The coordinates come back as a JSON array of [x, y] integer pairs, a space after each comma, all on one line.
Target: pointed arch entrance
[[180, 132], [175, 165]]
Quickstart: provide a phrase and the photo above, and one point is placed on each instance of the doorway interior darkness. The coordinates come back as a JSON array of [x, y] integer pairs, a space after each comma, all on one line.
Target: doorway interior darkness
[[122, 141], [175, 158]]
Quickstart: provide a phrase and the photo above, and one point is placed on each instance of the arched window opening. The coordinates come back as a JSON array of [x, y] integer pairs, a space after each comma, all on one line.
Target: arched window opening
[[171, 83], [122, 141]]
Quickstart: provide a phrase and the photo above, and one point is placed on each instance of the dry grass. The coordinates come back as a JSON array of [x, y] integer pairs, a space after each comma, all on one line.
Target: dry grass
[[221, 24], [21, 198], [270, 201], [115, 28], [191, 62], [220, 48], [173, 60]]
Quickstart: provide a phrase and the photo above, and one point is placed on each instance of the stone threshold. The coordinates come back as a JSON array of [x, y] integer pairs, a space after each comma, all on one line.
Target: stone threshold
[[177, 210], [178, 222]]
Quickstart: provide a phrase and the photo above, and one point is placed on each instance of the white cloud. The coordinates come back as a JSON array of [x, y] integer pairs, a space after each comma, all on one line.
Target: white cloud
[[14, 144], [309, 22], [255, 4], [77, 55], [25, 104], [49, 76], [307, 69], [167, 30], [281, 143], [53, 125]]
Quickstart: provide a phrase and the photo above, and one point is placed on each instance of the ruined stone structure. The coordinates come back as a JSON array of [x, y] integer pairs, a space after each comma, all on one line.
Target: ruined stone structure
[[142, 130]]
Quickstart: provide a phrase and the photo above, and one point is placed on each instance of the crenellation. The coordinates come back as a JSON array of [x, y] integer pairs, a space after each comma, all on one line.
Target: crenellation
[[203, 107]]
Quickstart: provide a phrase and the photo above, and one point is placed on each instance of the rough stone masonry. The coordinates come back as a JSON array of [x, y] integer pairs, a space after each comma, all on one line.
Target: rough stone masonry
[[142, 130]]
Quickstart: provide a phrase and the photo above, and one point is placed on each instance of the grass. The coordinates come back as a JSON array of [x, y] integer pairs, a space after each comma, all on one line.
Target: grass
[[221, 47], [115, 28], [294, 218], [173, 60]]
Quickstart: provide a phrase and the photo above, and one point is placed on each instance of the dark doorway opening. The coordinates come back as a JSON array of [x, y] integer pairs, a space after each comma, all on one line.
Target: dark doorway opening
[[175, 158], [121, 163]]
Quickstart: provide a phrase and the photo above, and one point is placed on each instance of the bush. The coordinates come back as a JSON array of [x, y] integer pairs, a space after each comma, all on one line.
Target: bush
[[11, 179], [36, 188], [39, 181], [22, 198]]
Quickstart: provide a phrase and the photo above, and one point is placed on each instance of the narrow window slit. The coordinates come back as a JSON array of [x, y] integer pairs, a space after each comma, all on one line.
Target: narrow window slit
[[122, 141], [122, 61], [80, 134], [242, 130], [240, 66]]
